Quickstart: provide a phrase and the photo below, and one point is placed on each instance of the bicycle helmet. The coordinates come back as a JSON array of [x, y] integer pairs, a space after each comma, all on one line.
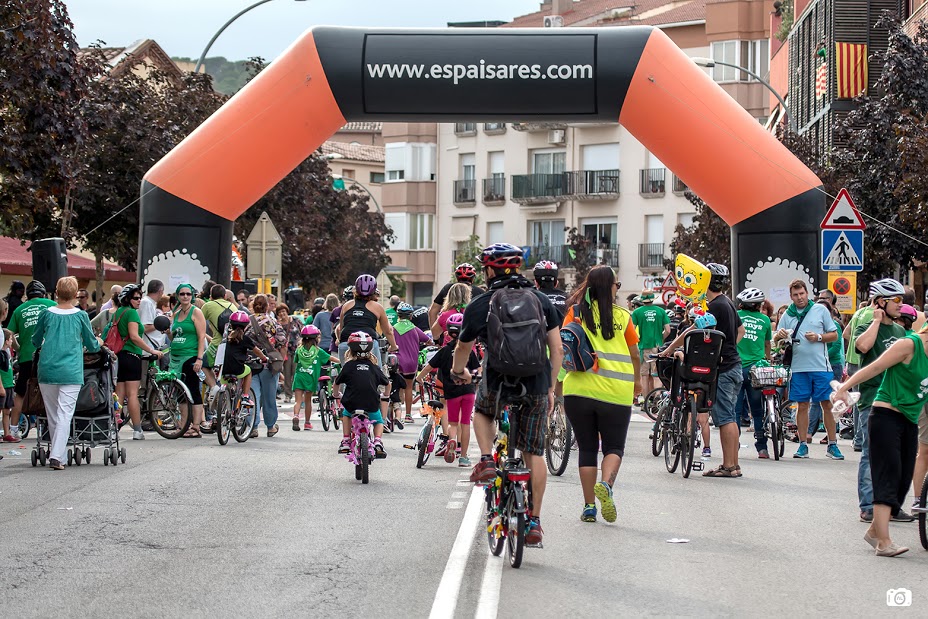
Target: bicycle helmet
[[392, 360], [360, 342], [720, 279], [545, 270], [239, 319], [365, 285], [670, 314], [705, 321], [465, 272], [161, 323], [404, 310], [310, 331], [908, 312], [35, 289], [751, 295], [348, 293], [125, 297], [454, 324], [501, 256], [886, 288]]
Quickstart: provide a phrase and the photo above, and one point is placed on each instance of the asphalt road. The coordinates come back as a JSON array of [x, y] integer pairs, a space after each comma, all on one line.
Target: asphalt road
[[279, 527]]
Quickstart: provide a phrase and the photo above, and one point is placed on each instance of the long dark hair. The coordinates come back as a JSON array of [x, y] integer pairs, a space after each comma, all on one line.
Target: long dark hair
[[597, 287]]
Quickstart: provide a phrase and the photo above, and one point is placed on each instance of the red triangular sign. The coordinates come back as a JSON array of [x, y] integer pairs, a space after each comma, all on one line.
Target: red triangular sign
[[843, 214], [670, 282]]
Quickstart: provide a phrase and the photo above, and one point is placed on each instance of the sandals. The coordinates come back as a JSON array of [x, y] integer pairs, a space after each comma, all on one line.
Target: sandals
[[723, 471], [272, 431], [192, 433]]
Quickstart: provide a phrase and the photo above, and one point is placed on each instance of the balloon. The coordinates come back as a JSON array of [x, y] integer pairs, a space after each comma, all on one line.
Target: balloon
[[692, 279]]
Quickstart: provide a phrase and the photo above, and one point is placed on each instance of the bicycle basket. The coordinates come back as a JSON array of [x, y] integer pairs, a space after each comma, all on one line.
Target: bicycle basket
[[770, 376]]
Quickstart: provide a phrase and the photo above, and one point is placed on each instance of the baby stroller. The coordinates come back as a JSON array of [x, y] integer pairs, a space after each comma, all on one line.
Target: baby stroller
[[94, 423]]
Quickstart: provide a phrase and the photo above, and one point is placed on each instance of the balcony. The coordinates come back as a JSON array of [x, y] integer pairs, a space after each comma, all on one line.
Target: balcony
[[529, 189], [465, 129], [465, 192], [593, 184], [607, 254], [679, 187], [652, 182], [554, 253], [494, 128], [494, 191], [531, 127], [651, 256]]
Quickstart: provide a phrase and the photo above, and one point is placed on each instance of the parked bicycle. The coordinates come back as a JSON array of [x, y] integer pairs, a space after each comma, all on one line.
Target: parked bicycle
[[769, 380]]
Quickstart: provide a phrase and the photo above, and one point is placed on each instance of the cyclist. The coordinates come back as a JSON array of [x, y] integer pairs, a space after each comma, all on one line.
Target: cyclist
[[409, 339], [22, 324], [238, 347], [364, 314], [363, 380], [309, 359], [653, 326], [753, 347], [502, 263], [216, 311], [465, 273], [459, 295], [546, 273]]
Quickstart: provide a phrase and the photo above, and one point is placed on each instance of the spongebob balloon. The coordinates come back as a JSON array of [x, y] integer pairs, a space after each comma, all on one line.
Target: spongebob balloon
[[692, 280]]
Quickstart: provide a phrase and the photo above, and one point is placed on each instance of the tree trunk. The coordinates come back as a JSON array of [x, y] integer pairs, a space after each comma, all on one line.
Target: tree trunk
[[98, 259]]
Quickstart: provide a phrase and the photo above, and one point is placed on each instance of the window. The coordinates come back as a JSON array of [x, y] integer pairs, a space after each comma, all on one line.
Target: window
[[725, 51], [468, 167], [497, 164], [397, 223], [759, 62], [548, 232], [421, 233], [495, 232], [549, 162], [377, 177], [752, 55], [600, 156], [654, 224], [348, 173], [686, 219], [410, 162], [421, 293], [602, 232]]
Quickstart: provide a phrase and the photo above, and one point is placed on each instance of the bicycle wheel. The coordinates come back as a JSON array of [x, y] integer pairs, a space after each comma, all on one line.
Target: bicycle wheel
[[324, 410], [786, 412], [649, 406], [515, 535], [223, 417], [659, 432], [557, 441], [671, 439], [168, 408], [25, 426], [425, 435], [922, 530], [689, 440], [241, 421], [363, 447], [496, 535]]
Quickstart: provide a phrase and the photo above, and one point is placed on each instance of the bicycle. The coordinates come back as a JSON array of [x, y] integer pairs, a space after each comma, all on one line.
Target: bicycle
[[329, 410], [921, 512], [558, 440], [430, 432], [362, 445], [769, 379], [232, 417], [166, 402]]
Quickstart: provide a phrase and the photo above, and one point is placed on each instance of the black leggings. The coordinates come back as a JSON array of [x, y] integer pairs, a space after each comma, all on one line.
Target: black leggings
[[192, 380], [893, 447], [594, 421]]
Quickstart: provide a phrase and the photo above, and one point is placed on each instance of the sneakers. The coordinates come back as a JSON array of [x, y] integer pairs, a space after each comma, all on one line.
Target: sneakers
[[589, 513], [247, 402], [296, 423], [802, 452], [834, 453], [345, 446], [398, 424], [138, 435], [212, 392], [763, 455], [442, 445], [387, 426], [379, 452], [484, 472], [56, 465], [535, 534], [254, 433], [866, 516], [409, 418], [463, 462], [706, 452], [450, 451], [307, 426], [272, 431], [603, 492], [903, 516], [9, 438]]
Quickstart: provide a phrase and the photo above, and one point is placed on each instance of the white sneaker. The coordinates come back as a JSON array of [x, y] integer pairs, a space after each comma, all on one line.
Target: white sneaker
[[212, 392], [138, 435]]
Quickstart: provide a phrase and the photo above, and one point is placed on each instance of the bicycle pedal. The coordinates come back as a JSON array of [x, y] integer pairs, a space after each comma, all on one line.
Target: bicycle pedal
[[698, 466]]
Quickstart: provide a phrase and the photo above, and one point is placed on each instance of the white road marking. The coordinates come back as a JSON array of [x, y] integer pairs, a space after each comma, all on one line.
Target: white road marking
[[488, 602], [446, 597], [455, 504]]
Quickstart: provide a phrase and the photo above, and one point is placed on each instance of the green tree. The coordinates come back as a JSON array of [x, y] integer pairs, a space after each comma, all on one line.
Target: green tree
[[582, 253], [707, 240]]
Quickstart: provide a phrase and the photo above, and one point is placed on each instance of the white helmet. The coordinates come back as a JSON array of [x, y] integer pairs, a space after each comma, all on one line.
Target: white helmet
[[886, 288], [751, 295]]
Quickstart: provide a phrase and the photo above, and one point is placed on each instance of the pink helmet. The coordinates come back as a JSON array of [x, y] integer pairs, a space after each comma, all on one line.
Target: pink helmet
[[310, 331], [907, 311], [239, 319], [454, 324]]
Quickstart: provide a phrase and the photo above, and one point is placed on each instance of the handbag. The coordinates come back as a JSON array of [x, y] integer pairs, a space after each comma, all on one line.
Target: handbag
[[275, 360], [788, 353], [111, 337], [33, 404]]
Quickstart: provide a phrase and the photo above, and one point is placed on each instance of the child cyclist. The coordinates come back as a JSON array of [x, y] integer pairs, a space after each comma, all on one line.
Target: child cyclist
[[6, 385], [459, 399], [309, 360], [409, 338], [363, 380], [238, 346]]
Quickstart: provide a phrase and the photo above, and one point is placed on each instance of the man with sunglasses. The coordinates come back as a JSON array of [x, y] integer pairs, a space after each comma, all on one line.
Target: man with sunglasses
[[871, 340]]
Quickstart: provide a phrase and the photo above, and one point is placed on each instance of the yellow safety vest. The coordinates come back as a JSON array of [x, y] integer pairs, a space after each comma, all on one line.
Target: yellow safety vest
[[615, 381]]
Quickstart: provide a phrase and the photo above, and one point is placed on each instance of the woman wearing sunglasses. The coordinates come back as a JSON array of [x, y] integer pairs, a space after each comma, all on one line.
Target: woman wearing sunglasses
[[188, 331]]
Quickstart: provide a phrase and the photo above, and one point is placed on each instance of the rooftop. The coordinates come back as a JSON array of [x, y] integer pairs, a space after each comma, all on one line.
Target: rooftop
[[365, 127], [354, 152], [17, 260]]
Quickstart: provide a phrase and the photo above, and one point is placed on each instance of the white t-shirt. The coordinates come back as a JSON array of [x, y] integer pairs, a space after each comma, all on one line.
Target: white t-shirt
[[147, 313]]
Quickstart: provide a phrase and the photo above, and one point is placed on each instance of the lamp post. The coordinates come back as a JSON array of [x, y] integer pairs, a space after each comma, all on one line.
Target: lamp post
[[709, 63], [339, 184], [196, 69]]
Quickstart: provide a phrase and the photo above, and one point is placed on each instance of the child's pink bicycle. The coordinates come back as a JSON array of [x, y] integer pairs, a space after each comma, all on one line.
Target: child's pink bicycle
[[362, 445]]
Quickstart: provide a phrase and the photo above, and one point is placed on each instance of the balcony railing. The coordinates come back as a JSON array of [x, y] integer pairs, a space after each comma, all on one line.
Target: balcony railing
[[494, 128], [530, 189], [593, 184], [540, 126], [554, 253], [604, 253], [465, 192], [494, 191], [679, 187], [463, 129], [651, 256], [652, 182]]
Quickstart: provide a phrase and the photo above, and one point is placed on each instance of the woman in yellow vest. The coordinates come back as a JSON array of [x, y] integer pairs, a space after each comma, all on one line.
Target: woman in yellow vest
[[599, 403]]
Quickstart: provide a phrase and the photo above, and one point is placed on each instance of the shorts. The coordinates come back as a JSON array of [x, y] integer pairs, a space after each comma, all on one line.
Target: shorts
[[7, 402], [810, 387], [409, 376], [130, 367], [923, 426], [375, 416], [22, 379], [726, 396], [530, 422], [647, 365], [244, 373], [460, 408]]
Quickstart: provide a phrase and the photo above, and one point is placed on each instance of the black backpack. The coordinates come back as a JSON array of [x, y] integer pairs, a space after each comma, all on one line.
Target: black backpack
[[516, 333], [223, 319]]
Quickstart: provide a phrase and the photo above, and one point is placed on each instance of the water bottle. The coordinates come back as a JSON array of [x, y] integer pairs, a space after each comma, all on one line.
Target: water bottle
[[201, 376], [840, 406]]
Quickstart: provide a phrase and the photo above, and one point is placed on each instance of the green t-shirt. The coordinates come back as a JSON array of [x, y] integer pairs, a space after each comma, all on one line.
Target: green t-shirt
[[905, 386], [885, 337], [125, 317], [836, 349], [23, 323], [310, 360], [757, 332], [650, 321], [6, 378], [863, 316], [212, 310]]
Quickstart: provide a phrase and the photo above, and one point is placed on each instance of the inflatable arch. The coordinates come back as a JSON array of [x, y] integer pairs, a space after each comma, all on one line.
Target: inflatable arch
[[331, 75]]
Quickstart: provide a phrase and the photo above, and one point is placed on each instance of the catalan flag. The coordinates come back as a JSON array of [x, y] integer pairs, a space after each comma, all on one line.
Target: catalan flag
[[850, 69], [821, 80]]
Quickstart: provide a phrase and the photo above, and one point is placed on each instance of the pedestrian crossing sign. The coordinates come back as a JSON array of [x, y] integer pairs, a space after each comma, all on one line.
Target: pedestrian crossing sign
[[842, 250]]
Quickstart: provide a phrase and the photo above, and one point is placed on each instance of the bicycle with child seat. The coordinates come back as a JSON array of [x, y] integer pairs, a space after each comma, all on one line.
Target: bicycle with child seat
[[361, 453], [558, 439], [166, 401], [329, 410], [233, 416]]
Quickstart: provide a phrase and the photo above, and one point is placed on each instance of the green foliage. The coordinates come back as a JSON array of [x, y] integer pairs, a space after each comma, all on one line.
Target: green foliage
[[468, 251], [228, 76], [786, 24], [707, 240], [397, 284], [582, 252]]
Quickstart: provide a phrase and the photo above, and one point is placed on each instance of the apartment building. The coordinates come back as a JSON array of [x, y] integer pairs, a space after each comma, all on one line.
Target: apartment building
[[525, 183]]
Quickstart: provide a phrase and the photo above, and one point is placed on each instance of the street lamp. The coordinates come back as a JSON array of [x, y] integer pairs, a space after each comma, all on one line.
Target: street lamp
[[196, 69], [709, 63], [338, 182]]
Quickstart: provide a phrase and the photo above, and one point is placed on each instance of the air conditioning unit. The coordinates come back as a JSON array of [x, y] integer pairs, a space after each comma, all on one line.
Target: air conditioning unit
[[553, 21], [556, 136]]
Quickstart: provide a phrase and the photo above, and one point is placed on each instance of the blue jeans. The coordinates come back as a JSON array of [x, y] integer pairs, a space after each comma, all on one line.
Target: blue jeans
[[265, 388], [864, 481], [858, 437], [752, 399], [815, 411], [726, 394]]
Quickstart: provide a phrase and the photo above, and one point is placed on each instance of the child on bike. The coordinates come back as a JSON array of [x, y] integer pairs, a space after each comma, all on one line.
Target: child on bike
[[309, 359], [362, 379], [409, 339], [238, 347], [459, 399]]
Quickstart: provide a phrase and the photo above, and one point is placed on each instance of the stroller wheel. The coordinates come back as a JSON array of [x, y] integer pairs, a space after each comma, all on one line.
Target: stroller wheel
[[70, 458], [77, 457], [114, 457], [122, 455], [42, 456], [87, 455], [106, 456], [35, 458]]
